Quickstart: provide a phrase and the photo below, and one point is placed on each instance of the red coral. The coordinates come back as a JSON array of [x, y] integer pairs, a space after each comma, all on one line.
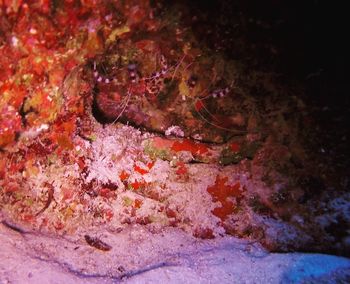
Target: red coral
[[235, 147], [123, 176], [199, 105], [139, 184], [170, 213], [140, 170], [204, 233], [181, 169], [108, 214], [220, 191], [227, 208], [107, 192], [189, 145], [81, 163], [150, 165]]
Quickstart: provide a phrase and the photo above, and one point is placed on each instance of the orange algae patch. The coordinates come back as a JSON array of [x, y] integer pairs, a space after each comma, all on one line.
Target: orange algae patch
[[56, 76], [188, 145], [123, 175], [65, 142], [62, 133], [138, 203], [67, 126], [150, 165], [12, 94], [220, 191], [140, 170], [136, 185]]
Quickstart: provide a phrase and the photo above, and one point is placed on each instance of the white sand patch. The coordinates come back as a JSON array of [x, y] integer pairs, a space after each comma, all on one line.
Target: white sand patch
[[139, 256]]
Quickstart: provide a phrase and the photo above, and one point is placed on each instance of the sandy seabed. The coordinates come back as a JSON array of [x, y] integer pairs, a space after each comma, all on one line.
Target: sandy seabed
[[172, 256]]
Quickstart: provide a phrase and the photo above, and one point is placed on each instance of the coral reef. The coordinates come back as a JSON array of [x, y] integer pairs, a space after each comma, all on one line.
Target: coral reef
[[116, 114]]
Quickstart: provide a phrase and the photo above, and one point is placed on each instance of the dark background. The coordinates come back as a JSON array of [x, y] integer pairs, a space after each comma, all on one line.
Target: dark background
[[309, 38], [305, 43]]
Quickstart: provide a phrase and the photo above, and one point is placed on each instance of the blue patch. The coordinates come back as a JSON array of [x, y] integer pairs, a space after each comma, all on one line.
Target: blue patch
[[313, 266]]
